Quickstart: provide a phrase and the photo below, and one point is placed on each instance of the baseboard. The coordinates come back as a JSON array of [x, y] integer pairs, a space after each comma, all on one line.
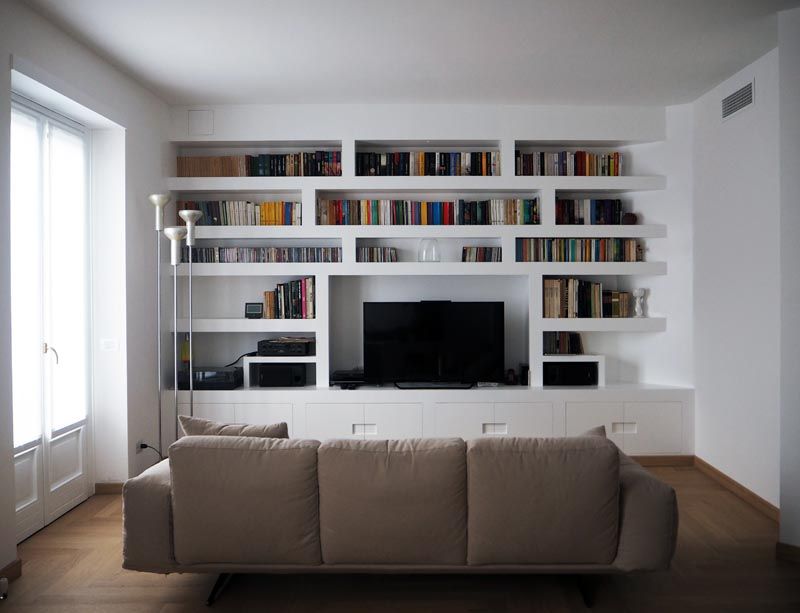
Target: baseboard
[[108, 488], [664, 460], [12, 571], [787, 553], [738, 489]]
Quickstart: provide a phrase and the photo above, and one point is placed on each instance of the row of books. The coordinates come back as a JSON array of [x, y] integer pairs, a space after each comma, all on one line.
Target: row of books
[[263, 255], [428, 163], [482, 254], [579, 250], [244, 212], [376, 254], [514, 211], [301, 164], [573, 298], [563, 343], [291, 300], [568, 164], [589, 212]]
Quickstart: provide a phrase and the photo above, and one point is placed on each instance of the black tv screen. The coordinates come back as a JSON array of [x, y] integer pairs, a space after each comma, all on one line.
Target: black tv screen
[[460, 342]]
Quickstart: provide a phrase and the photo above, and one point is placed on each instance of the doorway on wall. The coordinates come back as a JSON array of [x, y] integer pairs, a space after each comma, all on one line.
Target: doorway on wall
[[50, 314]]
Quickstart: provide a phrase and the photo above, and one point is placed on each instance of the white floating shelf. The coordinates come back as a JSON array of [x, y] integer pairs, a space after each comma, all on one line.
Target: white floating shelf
[[612, 324], [248, 325], [427, 268], [416, 184], [312, 232]]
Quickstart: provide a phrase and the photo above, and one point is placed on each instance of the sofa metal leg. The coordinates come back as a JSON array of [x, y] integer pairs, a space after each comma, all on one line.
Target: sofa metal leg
[[587, 585], [219, 586]]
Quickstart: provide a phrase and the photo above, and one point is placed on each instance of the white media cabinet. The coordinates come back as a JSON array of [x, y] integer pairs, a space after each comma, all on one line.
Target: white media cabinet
[[642, 417]]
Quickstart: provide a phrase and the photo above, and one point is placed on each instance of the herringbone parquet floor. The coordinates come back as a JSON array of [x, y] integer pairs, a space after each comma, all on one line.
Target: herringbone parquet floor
[[725, 562]]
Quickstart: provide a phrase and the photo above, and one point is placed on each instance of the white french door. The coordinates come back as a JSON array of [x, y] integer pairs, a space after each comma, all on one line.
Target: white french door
[[49, 315]]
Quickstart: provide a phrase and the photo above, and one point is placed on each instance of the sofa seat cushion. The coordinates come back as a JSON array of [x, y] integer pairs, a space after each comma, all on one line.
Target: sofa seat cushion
[[393, 502], [543, 501], [243, 500], [197, 426]]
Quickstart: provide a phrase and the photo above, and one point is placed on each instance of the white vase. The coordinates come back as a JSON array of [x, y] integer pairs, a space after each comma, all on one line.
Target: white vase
[[429, 250]]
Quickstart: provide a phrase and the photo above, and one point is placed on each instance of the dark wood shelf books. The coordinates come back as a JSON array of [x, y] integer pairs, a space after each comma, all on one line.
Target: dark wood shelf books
[[263, 255], [589, 212], [571, 298], [244, 212], [291, 300], [428, 163], [563, 343], [579, 250], [514, 211], [568, 164], [301, 164], [482, 254], [376, 254]]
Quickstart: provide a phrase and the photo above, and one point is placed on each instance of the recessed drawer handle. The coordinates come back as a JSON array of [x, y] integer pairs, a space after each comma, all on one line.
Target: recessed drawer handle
[[365, 429], [495, 428], [624, 427]]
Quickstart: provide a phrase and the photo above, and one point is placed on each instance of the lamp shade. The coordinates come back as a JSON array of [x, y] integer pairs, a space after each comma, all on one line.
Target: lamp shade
[[175, 234]]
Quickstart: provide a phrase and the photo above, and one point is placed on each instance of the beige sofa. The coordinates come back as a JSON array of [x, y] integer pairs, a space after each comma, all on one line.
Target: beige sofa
[[230, 504]]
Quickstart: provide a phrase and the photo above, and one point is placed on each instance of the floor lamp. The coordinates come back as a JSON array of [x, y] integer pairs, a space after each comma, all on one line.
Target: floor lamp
[[159, 202], [175, 234], [191, 218]]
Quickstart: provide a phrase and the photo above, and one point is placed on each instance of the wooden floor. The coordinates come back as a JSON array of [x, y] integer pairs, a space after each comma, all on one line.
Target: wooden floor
[[725, 562]]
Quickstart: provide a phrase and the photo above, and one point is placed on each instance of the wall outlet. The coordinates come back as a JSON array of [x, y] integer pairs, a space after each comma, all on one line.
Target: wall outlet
[[140, 446]]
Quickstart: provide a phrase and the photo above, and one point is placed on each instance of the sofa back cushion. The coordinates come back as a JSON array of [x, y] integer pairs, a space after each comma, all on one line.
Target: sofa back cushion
[[244, 500], [197, 426], [543, 501], [393, 502]]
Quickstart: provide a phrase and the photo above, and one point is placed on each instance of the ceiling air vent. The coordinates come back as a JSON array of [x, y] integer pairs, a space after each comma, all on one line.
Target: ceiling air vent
[[737, 101]]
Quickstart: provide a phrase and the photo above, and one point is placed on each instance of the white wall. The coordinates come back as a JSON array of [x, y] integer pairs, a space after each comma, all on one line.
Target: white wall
[[35, 47], [736, 281], [789, 67]]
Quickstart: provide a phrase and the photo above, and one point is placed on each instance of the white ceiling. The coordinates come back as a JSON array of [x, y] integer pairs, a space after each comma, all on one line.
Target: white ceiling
[[438, 51]]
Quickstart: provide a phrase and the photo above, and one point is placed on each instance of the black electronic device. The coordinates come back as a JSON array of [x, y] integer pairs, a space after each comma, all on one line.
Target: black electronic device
[[425, 344], [212, 378], [286, 346], [254, 310], [278, 375], [347, 379], [570, 373]]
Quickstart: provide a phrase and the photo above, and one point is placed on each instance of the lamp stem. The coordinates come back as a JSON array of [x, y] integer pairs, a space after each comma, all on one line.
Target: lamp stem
[[158, 340], [175, 341], [191, 340]]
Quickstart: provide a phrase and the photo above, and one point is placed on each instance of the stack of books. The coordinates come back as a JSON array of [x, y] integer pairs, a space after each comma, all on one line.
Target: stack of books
[[589, 212], [579, 250], [563, 343], [301, 164], [244, 212], [428, 163], [568, 164], [482, 254], [266, 255], [376, 254], [291, 300], [573, 298]]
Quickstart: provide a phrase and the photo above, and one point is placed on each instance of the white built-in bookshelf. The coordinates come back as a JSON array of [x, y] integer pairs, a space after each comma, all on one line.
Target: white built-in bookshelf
[[221, 289]]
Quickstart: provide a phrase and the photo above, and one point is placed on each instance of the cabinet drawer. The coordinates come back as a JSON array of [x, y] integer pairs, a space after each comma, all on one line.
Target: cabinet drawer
[[583, 416], [464, 420], [653, 427], [264, 414], [391, 421], [334, 420], [526, 419]]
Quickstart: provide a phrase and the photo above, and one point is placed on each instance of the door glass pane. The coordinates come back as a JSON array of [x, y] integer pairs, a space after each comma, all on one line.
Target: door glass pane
[[26, 278], [67, 276]]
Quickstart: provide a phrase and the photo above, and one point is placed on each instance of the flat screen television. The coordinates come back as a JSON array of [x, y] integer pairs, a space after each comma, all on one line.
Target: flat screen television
[[413, 344]]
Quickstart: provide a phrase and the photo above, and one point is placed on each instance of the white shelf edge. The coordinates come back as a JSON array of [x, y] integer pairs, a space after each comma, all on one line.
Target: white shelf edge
[[247, 325], [610, 324]]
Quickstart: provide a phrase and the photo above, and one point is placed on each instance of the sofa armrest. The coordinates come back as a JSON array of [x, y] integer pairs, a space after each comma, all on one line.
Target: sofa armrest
[[649, 520], [147, 521]]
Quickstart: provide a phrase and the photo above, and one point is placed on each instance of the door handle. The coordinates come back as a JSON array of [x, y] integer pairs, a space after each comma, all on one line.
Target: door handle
[[46, 348]]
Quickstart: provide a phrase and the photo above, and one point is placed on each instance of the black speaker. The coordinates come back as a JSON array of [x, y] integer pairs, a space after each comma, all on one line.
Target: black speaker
[[570, 373], [278, 375]]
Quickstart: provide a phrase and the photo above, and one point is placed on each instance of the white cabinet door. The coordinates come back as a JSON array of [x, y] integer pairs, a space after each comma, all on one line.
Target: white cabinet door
[[264, 414], [653, 427], [334, 420], [385, 421], [464, 420], [525, 419], [582, 416], [215, 411]]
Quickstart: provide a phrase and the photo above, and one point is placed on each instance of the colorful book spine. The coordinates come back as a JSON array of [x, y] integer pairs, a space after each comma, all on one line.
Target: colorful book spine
[[579, 250]]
